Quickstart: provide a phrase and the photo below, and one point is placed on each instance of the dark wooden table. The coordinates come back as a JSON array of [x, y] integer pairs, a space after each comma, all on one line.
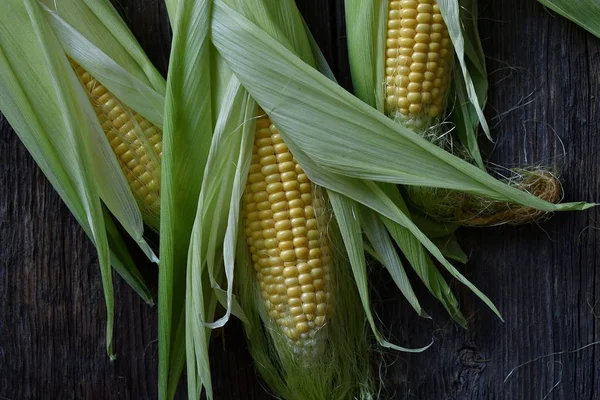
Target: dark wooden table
[[545, 75]]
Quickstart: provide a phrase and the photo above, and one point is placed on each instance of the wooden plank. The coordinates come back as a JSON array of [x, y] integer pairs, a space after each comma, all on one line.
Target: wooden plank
[[544, 72]]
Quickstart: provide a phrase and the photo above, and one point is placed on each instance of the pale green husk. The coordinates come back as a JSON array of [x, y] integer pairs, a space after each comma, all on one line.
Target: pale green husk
[[194, 91], [215, 234], [585, 13], [201, 94], [213, 238], [46, 105]]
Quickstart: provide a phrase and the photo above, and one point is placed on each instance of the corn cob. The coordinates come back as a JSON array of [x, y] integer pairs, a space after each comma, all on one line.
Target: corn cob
[[136, 142], [418, 62], [418, 68], [284, 228]]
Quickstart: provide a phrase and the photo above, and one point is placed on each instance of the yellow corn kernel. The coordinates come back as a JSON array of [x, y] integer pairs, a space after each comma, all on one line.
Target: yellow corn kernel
[[295, 250], [136, 142], [418, 62]]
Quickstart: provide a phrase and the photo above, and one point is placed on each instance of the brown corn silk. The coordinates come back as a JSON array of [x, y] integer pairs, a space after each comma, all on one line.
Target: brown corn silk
[[468, 210], [418, 69], [136, 142], [285, 223]]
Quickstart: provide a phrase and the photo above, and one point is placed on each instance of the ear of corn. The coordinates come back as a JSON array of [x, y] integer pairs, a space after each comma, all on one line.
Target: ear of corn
[[306, 328], [106, 57], [47, 107], [368, 48], [418, 62], [284, 227], [418, 65], [308, 349], [137, 144]]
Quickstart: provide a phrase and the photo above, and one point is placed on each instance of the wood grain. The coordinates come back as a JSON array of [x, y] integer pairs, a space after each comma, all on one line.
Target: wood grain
[[545, 75]]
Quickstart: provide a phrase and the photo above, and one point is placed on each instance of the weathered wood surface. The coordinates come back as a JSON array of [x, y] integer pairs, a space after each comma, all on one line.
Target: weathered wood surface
[[545, 279]]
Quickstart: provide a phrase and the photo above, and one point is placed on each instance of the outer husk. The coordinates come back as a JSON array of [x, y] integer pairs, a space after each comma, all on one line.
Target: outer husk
[[49, 110], [585, 13]]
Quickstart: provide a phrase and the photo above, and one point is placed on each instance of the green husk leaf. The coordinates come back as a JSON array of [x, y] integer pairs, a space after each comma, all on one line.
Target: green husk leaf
[[451, 249], [346, 212], [52, 137], [320, 61], [451, 11], [197, 337], [237, 108], [187, 134], [213, 245], [203, 292], [122, 261], [366, 23], [432, 228], [279, 19], [585, 13], [385, 253], [464, 114], [419, 259], [465, 120], [172, 10]]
